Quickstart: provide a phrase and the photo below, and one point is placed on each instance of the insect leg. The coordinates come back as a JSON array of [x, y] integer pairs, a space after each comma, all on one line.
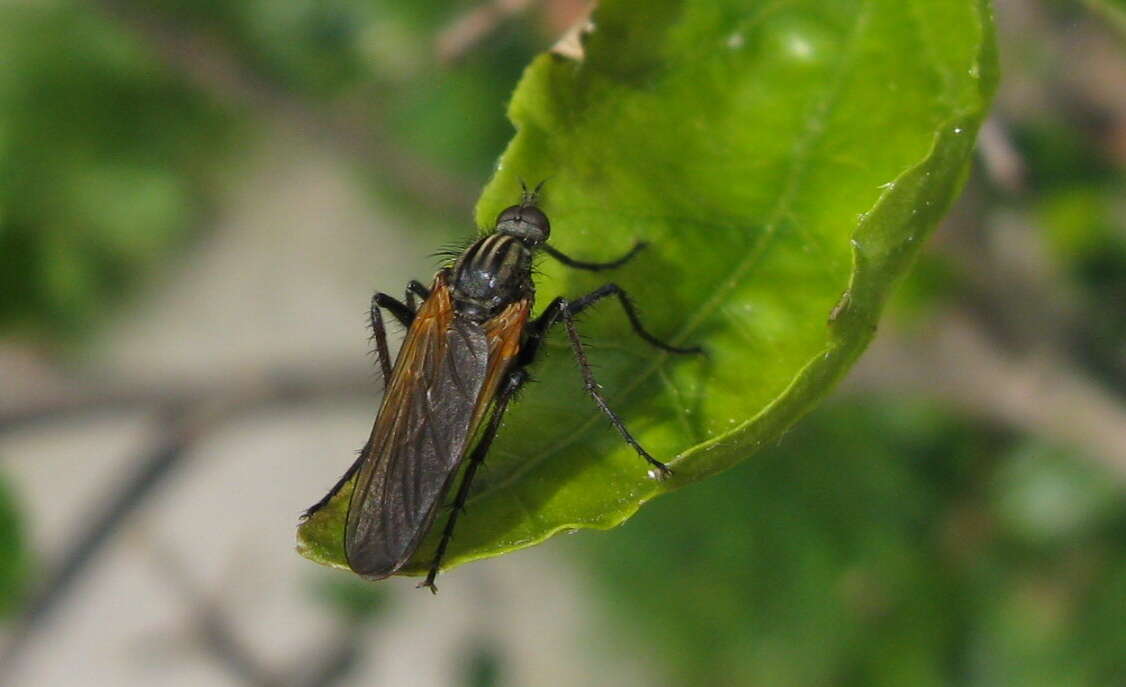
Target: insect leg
[[416, 288], [400, 311], [404, 315], [593, 266], [403, 312], [561, 309], [577, 306], [378, 332], [538, 329], [336, 487], [661, 470], [512, 384]]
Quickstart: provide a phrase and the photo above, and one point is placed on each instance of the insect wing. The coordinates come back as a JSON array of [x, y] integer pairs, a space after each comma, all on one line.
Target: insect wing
[[419, 437], [505, 334]]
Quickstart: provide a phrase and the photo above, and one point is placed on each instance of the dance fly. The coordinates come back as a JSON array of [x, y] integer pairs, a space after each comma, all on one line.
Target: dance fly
[[470, 339]]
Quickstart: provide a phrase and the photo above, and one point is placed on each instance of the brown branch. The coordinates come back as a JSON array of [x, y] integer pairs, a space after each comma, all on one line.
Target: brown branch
[[208, 623], [1004, 165], [150, 470], [185, 415], [327, 665], [56, 398], [474, 25]]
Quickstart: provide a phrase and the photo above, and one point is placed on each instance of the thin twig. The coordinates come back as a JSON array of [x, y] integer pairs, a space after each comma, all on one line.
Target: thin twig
[[326, 666], [1003, 164], [209, 624], [69, 397], [185, 417], [474, 25], [151, 470]]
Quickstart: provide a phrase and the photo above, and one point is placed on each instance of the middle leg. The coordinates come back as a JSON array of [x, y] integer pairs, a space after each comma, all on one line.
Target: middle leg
[[561, 309], [660, 471], [611, 289]]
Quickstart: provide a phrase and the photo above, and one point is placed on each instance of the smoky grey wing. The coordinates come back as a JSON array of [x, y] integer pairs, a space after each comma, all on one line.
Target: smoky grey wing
[[416, 452]]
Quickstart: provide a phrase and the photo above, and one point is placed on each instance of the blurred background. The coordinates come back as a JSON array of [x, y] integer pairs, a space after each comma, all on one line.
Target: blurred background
[[197, 199]]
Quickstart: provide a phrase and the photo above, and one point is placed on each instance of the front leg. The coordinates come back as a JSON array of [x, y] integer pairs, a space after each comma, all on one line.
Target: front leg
[[403, 312], [378, 332], [593, 266], [416, 288]]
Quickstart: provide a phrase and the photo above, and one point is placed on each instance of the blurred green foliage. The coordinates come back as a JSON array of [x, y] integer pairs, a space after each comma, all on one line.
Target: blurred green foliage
[[483, 666], [351, 598], [15, 564], [381, 53], [879, 544], [109, 158], [1078, 196], [101, 160]]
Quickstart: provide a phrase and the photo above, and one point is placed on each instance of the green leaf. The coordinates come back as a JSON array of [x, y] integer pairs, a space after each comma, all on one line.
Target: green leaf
[[784, 160], [103, 159]]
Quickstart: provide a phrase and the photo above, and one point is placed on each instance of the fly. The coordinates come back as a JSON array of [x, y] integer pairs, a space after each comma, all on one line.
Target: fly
[[470, 339]]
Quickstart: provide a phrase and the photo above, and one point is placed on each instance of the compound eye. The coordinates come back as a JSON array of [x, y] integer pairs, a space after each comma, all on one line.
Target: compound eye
[[535, 217], [510, 214], [525, 222]]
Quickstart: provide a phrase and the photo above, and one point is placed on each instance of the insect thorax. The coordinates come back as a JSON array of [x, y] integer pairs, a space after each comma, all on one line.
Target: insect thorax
[[492, 273]]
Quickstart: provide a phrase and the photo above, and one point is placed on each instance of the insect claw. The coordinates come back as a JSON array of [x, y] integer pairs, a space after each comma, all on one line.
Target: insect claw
[[429, 584], [660, 471]]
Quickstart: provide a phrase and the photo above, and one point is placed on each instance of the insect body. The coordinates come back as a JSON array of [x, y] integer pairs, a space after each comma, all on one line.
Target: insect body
[[464, 357]]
